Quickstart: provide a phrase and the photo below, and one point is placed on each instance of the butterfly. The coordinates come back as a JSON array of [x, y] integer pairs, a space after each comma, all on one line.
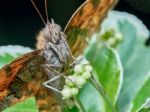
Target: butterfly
[[25, 76]]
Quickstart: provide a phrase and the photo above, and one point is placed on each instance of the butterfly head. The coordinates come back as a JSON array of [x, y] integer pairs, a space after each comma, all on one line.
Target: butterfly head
[[52, 32]]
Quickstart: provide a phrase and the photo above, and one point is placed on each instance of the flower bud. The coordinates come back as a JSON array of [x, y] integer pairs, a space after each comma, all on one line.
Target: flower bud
[[112, 41], [71, 80], [80, 81], [74, 91], [86, 75], [88, 68], [78, 69], [119, 36], [66, 93]]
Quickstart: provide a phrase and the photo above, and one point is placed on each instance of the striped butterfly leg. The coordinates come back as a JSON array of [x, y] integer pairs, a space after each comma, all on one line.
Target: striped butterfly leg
[[49, 70], [76, 61], [65, 77], [57, 52], [46, 84], [55, 78], [60, 55], [67, 46]]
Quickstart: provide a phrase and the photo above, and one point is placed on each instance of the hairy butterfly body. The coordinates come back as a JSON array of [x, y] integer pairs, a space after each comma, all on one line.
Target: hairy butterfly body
[[56, 52]]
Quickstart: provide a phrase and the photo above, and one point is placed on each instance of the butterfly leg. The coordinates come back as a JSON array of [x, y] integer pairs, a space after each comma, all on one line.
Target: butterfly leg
[[57, 52], [53, 78], [64, 76], [65, 41], [53, 66], [76, 61], [59, 75], [46, 84]]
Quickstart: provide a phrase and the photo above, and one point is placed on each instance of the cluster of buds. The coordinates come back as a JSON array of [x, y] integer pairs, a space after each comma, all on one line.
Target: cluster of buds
[[113, 41], [82, 72], [112, 37]]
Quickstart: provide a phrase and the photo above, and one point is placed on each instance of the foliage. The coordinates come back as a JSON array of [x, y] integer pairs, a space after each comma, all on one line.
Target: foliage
[[121, 73], [9, 53]]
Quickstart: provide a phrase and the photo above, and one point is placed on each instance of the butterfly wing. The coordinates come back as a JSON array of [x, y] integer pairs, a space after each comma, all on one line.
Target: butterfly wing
[[86, 21], [9, 72], [23, 78]]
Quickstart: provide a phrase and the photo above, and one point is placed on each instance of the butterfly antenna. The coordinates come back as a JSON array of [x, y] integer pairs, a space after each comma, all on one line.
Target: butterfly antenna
[[38, 12], [46, 10]]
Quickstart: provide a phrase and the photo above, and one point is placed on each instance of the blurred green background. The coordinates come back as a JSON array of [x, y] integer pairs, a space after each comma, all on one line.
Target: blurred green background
[[19, 22]]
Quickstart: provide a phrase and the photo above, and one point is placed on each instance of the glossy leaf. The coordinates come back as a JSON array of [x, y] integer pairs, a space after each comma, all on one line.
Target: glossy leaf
[[142, 96], [106, 63], [145, 107], [118, 16], [8, 53], [72, 109], [135, 57], [134, 54], [90, 99]]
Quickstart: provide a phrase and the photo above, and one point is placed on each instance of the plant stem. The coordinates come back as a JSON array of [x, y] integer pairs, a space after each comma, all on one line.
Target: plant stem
[[79, 104], [102, 92]]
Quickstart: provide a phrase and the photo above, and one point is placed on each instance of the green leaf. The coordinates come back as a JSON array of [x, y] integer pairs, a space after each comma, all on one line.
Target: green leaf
[[142, 95], [73, 109], [90, 99], [135, 58], [145, 107], [9, 53], [107, 66], [133, 52], [29, 105], [114, 17]]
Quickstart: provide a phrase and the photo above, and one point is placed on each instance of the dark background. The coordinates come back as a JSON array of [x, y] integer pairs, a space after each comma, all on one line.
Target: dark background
[[19, 22]]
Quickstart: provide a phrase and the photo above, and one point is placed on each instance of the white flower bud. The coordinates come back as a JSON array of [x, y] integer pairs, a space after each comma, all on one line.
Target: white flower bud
[[80, 81], [78, 69], [84, 61], [66, 93], [88, 68], [119, 36], [86, 75], [74, 91], [71, 80], [112, 41]]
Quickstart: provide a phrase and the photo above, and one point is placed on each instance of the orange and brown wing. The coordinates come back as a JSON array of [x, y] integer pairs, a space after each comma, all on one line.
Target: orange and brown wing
[[9, 72], [23, 78], [85, 22]]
